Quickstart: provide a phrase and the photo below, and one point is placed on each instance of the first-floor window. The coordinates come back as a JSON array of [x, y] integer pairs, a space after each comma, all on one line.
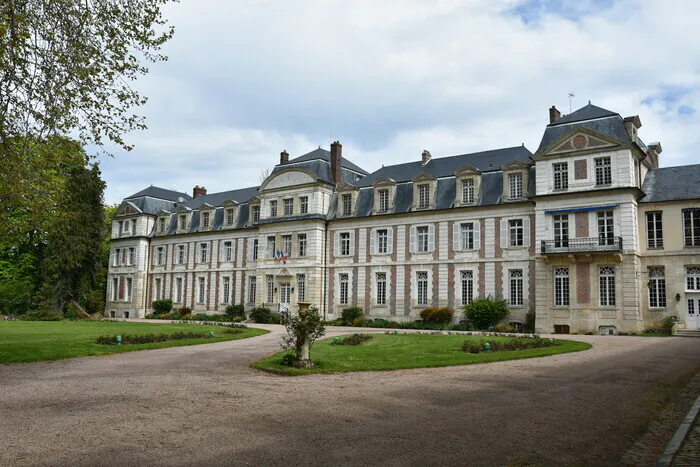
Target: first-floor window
[[271, 246], [128, 289], [515, 228], [203, 252], [178, 290], [516, 287], [228, 251], [181, 254], [692, 278], [252, 286], [158, 288], [301, 287], [467, 235], [132, 255], [202, 290], [607, 286], [287, 245], [255, 249], [115, 289], [561, 286], [422, 282], [655, 232], [270, 289], [344, 280], [691, 227], [381, 288], [467, 287], [657, 287], [302, 244], [227, 290], [160, 256], [345, 244], [422, 234]]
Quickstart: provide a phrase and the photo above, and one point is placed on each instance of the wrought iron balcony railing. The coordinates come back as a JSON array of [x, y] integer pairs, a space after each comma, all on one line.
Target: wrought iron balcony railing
[[582, 245]]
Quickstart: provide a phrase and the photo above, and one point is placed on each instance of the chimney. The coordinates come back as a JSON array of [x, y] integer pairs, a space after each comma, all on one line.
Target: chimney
[[426, 157], [284, 157], [554, 115], [633, 124], [336, 157], [197, 191]]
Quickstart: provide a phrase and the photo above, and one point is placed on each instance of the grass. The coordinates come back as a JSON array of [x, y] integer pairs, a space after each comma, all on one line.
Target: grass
[[33, 341], [402, 351]]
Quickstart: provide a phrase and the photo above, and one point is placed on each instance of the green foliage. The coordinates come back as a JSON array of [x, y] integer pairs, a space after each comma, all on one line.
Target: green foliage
[[377, 323], [667, 324], [437, 315], [508, 345], [184, 311], [304, 327], [355, 339], [503, 327], [350, 314], [151, 337], [161, 307], [486, 312], [235, 311], [261, 315], [359, 322], [529, 321]]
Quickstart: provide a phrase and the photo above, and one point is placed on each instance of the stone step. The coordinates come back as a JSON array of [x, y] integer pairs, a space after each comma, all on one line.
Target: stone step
[[688, 333]]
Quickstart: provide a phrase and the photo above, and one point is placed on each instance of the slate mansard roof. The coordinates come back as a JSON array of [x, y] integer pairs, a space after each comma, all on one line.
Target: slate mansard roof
[[318, 162], [672, 184]]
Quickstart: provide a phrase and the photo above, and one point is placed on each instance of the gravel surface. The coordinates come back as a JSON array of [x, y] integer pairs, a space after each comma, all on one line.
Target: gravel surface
[[202, 405]]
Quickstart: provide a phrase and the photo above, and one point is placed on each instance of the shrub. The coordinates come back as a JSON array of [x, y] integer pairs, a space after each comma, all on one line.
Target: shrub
[[394, 325], [667, 323], [425, 314], [151, 337], [437, 315], [517, 343], [275, 318], [359, 322], [234, 311], [40, 315], [261, 315], [163, 316], [149, 316], [161, 307], [486, 312], [377, 323], [351, 314], [502, 327], [175, 315], [234, 331], [184, 311], [529, 322], [201, 317], [355, 339], [186, 317]]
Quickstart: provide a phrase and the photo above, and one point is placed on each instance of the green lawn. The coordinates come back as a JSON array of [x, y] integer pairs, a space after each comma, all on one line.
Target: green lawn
[[400, 351], [32, 341]]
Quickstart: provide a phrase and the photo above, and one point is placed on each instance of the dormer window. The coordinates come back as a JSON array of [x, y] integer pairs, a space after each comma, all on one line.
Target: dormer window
[[205, 220], [468, 191], [230, 216], [288, 206], [423, 196], [273, 208], [515, 182], [383, 200], [256, 213], [183, 222], [161, 225], [467, 184], [347, 204]]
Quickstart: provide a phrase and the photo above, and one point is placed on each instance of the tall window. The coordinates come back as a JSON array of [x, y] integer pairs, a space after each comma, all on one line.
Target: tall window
[[303, 204], [160, 256], [515, 183], [606, 233], [561, 286], [125, 227], [301, 287], [270, 289], [129, 287], [302, 244], [422, 234], [273, 208], [382, 241], [252, 288], [657, 287], [133, 226], [561, 176], [467, 287], [183, 222], [205, 220], [255, 249], [202, 290], [692, 278], [468, 191], [383, 200], [467, 231], [132, 256], [288, 207], [229, 216], [561, 230], [515, 231], [228, 251], [691, 227], [423, 196], [516, 287], [181, 254], [117, 257], [344, 280], [422, 283], [381, 288], [655, 232], [227, 290], [603, 171], [203, 252], [256, 213], [271, 249], [161, 224], [347, 205], [115, 289], [178, 290], [607, 285], [345, 244], [159, 288], [287, 244]]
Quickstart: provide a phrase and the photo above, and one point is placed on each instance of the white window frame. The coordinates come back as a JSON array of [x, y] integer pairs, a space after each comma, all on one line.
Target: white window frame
[[423, 195], [252, 289], [347, 204], [129, 289], [287, 244], [468, 191], [515, 186], [655, 232], [158, 286], [181, 254], [131, 257], [161, 225], [515, 227], [561, 175], [178, 290], [383, 194], [270, 284], [256, 213], [344, 243], [303, 204], [344, 287], [606, 284], [422, 288], [562, 290], [466, 231], [467, 286], [201, 290], [206, 219], [423, 239], [182, 222], [115, 289], [288, 206], [229, 216], [657, 291], [692, 278], [606, 227], [516, 284], [273, 208], [226, 290], [271, 245], [380, 280], [301, 287], [228, 250], [303, 247], [603, 171], [203, 252], [255, 249], [691, 227], [382, 241]]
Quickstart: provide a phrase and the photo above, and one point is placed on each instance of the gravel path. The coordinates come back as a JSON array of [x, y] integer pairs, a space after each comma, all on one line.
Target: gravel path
[[202, 405]]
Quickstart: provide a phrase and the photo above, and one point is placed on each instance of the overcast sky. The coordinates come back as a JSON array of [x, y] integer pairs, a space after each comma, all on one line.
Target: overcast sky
[[389, 78]]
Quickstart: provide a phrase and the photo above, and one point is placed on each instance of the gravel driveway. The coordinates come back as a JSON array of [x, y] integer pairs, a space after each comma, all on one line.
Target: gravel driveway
[[202, 405]]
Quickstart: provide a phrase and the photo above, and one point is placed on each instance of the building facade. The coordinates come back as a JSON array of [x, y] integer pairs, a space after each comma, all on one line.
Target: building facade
[[587, 234]]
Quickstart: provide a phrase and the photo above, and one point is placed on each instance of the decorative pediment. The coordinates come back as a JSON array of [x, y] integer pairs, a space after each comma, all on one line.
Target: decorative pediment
[[206, 207], [515, 165], [346, 187], [229, 203], [384, 182], [292, 176], [284, 272], [255, 200], [183, 210], [466, 171], [580, 139], [128, 209], [424, 177], [163, 212]]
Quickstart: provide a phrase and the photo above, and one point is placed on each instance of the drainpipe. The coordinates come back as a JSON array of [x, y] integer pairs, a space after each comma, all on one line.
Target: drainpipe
[[325, 265]]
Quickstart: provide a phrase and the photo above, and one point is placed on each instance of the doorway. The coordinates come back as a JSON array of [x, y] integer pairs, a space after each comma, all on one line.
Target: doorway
[[693, 311]]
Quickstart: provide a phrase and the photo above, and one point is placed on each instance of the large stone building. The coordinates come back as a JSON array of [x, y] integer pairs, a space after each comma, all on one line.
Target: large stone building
[[588, 232]]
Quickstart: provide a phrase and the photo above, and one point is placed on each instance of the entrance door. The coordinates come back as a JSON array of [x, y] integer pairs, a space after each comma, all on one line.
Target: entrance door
[[285, 294], [693, 311]]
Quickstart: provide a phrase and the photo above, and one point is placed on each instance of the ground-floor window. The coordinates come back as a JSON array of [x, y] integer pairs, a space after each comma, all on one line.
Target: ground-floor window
[[657, 287], [607, 285], [467, 278], [129, 283], [178, 290], [422, 282], [158, 288], [227, 289], [692, 278], [381, 288], [344, 280], [115, 289], [252, 286], [270, 289], [126, 314], [516, 287], [202, 290], [112, 314], [561, 286]]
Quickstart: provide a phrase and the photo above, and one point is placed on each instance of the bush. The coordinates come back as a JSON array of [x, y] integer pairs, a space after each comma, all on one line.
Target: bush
[[502, 327], [529, 322], [184, 311], [38, 315], [235, 311], [518, 343], [149, 316], [161, 307], [275, 318], [359, 322], [437, 315], [667, 323], [351, 314], [261, 315], [234, 331], [486, 312], [186, 317], [175, 315], [151, 337], [355, 339], [377, 323]]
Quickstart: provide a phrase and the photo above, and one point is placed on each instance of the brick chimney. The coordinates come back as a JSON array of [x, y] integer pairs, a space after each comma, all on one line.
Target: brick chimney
[[198, 191], [554, 115], [284, 157], [426, 157], [336, 157]]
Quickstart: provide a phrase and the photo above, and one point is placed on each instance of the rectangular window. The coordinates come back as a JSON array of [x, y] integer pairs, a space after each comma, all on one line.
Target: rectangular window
[[301, 287], [229, 216], [423, 196], [515, 231], [302, 244], [347, 205], [117, 257], [226, 290], [161, 224], [303, 204], [270, 289], [345, 244], [515, 183], [133, 226], [178, 290], [467, 287], [183, 221], [181, 254], [125, 227], [561, 231], [228, 251], [205, 220], [381, 288], [202, 290], [606, 233], [115, 289], [158, 288], [422, 283], [692, 278], [287, 245], [129, 283], [132, 253], [271, 248], [467, 191], [252, 286], [256, 213], [288, 207], [655, 233], [467, 231], [657, 287], [203, 252], [422, 237], [691, 227], [606, 276], [561, 286], [382, 241], [344, 280], [603, 171], [273, 208], [383, 200], [561, 176], [255, 249], [160, 256], [516, 287]]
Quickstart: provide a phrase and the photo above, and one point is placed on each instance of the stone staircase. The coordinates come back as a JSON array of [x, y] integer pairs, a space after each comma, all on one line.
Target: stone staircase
[[688, 333]]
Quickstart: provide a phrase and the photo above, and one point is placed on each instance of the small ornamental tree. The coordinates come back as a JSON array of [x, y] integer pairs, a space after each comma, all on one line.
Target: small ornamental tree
[[303, 329], [486, 312], [161, 307]]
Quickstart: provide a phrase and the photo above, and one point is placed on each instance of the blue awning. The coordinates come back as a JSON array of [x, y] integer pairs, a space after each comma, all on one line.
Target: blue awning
[[594, 208]]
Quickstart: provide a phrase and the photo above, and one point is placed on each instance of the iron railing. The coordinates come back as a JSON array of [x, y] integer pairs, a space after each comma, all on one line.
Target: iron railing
[[582, 245]]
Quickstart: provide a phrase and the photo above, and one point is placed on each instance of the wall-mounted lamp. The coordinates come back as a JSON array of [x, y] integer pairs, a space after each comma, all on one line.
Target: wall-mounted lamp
[[275, 289], [678, 297], [292, 289], [650, 284]]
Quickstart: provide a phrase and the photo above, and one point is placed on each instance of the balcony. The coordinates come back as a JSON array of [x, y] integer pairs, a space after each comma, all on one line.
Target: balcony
[[582, 245]]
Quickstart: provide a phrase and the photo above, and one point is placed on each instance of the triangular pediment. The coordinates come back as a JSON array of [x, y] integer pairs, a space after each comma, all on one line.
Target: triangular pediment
[[206, 207], [162, 212], [128, 209], [254, 200], [580, 139], [423, 177], [229, 203]]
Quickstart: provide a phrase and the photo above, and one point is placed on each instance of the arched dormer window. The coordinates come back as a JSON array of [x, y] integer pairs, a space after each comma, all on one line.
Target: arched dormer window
[[254, 210], [515, 180], [468, 186], [347, 200], [424, 186], [230, 213], [206, 216], [162, 222], [384, 195], [184, 219]]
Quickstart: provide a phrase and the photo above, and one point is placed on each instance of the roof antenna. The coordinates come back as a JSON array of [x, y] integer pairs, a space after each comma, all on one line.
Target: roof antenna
[[571, 95]]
